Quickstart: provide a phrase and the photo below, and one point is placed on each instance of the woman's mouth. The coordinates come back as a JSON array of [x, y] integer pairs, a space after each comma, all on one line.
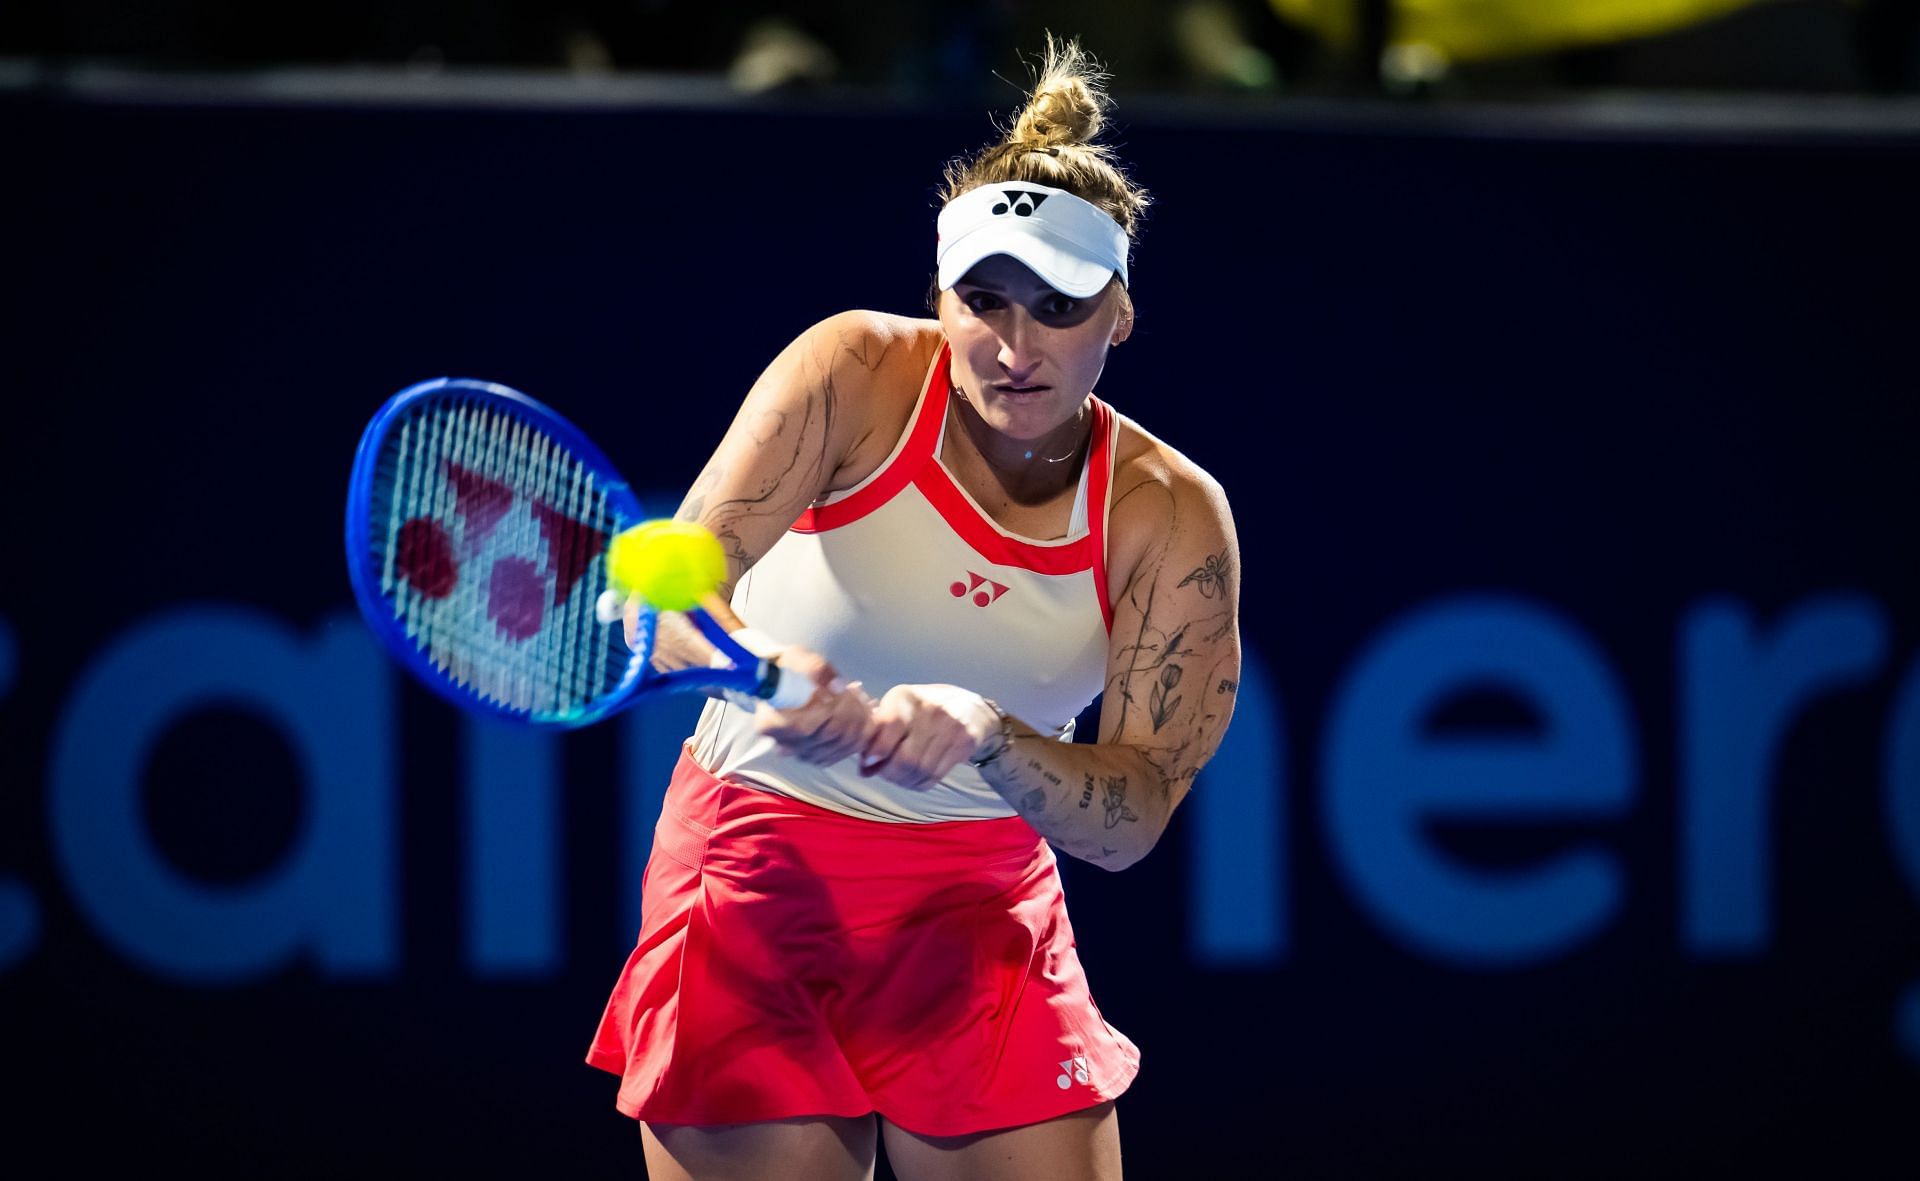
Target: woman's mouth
[[1007, 387]]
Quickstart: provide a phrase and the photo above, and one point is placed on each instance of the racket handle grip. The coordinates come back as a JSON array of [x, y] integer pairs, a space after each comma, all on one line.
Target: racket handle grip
[[778, 687], [743, 648], [783, 688]]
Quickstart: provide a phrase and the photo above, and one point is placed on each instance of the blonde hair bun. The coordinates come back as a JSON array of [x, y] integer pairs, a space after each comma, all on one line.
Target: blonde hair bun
[[1052, 140], [1068, 102]]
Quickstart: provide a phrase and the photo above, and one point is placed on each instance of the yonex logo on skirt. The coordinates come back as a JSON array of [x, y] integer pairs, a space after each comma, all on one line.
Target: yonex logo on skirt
[[1075, 1066]]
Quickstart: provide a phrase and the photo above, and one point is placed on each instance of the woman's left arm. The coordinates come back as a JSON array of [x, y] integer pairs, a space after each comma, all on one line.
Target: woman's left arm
[[1173, 672]]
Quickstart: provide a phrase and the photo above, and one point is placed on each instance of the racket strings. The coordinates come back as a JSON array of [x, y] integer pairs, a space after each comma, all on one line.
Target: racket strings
[[490, 538]]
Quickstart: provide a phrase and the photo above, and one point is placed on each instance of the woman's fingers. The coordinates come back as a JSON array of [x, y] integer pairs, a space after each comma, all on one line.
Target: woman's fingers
[[913, 737], [924, 759], [835, 723], [848, 725], [880, 746], [814, 667], [931, 737]]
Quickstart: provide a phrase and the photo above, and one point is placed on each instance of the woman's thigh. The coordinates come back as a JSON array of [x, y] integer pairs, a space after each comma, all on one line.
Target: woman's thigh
[[819, 1149], [1082, 1146]]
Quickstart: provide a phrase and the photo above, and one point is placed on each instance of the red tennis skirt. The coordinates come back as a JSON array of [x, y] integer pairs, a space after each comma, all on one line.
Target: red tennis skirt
[[795, 961]]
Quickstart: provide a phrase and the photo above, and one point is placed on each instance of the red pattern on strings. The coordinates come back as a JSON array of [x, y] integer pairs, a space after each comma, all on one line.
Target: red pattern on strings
[[571, 547], [425, 558], [479, 500], [516, 596]]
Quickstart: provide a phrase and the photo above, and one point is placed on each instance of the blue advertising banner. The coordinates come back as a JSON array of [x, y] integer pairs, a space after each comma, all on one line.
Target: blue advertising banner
[[1569, 822]]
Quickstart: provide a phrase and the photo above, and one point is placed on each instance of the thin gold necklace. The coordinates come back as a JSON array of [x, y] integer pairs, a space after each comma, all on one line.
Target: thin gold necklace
[[1071, 452]]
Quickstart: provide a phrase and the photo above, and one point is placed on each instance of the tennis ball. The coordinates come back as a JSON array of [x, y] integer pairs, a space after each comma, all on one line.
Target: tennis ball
[[670, 564]]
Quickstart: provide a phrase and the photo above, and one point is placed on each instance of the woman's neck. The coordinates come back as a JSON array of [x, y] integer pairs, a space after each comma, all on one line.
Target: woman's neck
[[1029, 471]]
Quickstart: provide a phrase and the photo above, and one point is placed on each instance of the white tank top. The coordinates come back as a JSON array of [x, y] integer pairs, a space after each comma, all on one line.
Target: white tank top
[[904, 579]]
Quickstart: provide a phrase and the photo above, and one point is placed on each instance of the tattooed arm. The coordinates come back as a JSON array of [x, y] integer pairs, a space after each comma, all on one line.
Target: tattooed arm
[[821, 417], [1173, 673]]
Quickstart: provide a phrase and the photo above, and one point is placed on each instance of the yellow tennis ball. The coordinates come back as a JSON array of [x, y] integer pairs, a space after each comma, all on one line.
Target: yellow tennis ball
[[670, 564]]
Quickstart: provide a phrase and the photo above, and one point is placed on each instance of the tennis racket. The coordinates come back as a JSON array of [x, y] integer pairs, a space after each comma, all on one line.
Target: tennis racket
[[478, 522]]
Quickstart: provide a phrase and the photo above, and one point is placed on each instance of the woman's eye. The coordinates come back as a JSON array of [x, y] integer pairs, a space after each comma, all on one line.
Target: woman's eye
[[980, 301], [1059, 305]]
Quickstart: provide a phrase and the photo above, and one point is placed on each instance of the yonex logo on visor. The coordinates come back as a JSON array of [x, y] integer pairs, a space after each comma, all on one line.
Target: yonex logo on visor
[[1069, 242], [1024, 203]]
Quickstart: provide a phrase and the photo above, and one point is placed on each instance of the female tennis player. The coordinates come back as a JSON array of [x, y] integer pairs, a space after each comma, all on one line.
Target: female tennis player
[[853, 925]]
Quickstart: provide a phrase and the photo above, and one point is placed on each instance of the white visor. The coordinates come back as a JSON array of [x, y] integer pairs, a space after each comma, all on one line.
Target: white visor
[[1070, 243]]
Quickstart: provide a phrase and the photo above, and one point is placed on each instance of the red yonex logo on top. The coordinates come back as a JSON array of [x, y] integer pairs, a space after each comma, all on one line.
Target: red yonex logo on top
[[976, 585]]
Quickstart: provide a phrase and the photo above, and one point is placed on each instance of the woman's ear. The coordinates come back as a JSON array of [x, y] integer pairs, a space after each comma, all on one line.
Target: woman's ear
[[1124, 327]]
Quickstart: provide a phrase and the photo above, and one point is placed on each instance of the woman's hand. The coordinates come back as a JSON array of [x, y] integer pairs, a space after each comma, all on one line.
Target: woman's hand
[[835, 722], [921, 732], [677, 643]]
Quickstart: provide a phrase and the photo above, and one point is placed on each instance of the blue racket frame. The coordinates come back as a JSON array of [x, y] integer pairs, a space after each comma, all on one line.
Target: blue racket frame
[[750, 678]]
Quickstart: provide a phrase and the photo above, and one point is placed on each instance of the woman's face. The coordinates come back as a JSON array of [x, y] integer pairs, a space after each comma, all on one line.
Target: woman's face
[[1025, 355]]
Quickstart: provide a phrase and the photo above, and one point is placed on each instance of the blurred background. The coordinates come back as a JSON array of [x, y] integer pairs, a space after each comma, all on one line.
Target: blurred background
[[947, 50], [1558, 360]]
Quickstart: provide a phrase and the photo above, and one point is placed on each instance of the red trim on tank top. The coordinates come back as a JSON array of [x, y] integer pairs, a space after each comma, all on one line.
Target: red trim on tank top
[[898, 474], [1068, 557], [1099, 479], [1085, 552], [913, 465]]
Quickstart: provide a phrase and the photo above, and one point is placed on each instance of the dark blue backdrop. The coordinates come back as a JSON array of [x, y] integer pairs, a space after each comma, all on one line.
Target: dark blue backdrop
[[1571, 821]]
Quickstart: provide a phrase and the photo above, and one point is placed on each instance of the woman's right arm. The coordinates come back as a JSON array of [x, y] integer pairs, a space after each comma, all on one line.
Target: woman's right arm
[[821, 417], [803, 431]]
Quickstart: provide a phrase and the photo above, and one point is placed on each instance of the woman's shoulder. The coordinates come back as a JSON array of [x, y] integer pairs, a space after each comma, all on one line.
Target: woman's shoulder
[[1151, 477], [873, 366], [880, 345], [1160, 500]]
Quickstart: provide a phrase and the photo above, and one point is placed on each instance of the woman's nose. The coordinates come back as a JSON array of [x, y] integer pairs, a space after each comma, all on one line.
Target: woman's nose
[[1019, 351]]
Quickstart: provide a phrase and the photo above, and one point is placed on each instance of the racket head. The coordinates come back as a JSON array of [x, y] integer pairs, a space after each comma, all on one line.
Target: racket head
[[477, 528]]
